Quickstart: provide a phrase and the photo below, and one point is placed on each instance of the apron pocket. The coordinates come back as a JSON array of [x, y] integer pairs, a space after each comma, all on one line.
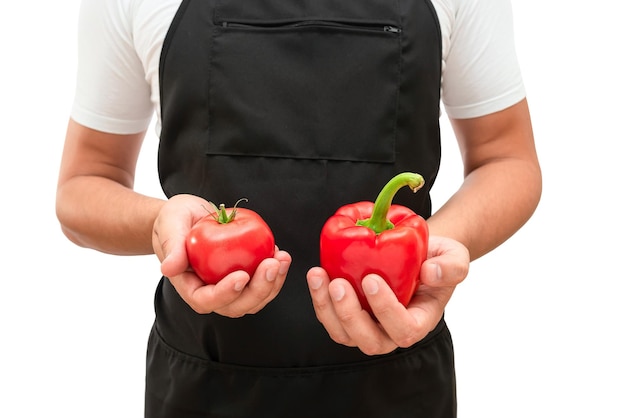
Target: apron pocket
[[312, 88], [417, 382]]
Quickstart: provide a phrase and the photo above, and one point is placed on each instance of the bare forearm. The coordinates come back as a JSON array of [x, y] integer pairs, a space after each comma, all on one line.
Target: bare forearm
[[494, 201], [104, 215]]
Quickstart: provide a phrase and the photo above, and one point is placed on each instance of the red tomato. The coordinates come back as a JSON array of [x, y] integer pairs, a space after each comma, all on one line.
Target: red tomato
[[220, 244]]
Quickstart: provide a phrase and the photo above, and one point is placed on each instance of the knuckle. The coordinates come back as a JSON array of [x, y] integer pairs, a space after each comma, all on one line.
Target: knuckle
[[460, 272], [341, 338], [231, 313], [373, 347], [347, 318], [261, 296], [260, 293], [322, 303], [464, 271], [410, 337], [199, 309], [382, 311], [407, 341]]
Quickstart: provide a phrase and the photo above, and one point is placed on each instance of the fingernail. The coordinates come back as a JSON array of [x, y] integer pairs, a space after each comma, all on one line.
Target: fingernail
[[239, 286], [270, 274], [337, 292], [284, 268], [370, 286], [315, 282], [437, 268]]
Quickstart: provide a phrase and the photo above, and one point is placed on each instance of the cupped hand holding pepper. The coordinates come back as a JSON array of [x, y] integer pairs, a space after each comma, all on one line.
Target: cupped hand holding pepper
[[383, 281], [338, 308], [235, 295]]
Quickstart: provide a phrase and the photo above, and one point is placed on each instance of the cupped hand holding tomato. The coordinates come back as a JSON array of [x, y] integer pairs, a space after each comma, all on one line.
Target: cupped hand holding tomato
[[239, 292]]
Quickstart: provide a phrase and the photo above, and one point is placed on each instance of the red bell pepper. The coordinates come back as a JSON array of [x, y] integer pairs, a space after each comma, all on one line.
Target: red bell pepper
[[389, 240]]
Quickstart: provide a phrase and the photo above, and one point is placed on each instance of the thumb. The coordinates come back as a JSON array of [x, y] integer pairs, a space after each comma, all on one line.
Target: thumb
[[174, 260], [431, 273], [442, 271]]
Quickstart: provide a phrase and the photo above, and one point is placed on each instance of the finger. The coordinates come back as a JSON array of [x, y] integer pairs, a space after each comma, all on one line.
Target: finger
[[175, 259], [263, 280], [203, 298], [362, 329], [318, 282], [168, 243], [275, 276], [399, 325], [257, 291], [448, 263], [428, 305], [170, 230], [237, 294], [443, 271], [284, 258]]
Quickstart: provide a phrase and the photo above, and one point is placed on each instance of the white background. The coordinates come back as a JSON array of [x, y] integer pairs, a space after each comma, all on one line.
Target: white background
[[538, 325]]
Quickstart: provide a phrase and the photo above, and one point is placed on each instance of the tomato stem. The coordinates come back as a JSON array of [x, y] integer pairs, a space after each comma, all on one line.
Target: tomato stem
[[221, 216], [379, 222]]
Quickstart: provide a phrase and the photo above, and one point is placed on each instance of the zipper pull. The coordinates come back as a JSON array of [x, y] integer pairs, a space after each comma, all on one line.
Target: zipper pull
[[392, 29]]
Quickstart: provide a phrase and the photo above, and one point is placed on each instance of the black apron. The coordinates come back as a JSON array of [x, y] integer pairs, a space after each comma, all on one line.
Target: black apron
[[301, 107]]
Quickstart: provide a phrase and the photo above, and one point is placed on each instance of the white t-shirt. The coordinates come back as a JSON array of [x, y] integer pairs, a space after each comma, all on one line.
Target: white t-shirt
[[119, 47]]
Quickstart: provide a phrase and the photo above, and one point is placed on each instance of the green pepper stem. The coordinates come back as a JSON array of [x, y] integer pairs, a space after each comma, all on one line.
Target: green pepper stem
[[379, 222]]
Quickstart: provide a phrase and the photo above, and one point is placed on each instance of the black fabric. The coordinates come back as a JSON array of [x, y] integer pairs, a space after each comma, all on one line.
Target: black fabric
[[414, 383], [301, 107]]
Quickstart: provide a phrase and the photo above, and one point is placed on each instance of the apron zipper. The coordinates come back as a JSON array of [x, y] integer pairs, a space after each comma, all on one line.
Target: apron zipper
[[313, 23]]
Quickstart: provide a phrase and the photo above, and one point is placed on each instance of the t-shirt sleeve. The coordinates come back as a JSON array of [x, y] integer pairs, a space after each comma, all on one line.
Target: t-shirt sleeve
[[112, 94], [481, 73]]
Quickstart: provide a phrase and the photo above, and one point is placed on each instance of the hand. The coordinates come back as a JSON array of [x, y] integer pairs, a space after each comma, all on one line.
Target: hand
[[235, 295], [337, 306]]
